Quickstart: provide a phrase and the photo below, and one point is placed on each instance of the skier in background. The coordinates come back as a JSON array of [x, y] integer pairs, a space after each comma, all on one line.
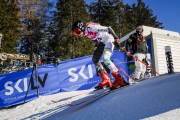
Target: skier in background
[[104, 45], [137, 42]]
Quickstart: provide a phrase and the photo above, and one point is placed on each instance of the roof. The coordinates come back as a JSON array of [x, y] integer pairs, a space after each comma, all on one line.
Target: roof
[[148, 30]]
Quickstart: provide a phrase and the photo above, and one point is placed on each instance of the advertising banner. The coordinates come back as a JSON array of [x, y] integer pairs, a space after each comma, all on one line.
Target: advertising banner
[[70, 75]]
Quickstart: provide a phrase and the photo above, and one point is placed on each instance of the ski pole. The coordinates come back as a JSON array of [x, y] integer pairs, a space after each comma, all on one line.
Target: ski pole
[[140, 61], [125, 72]]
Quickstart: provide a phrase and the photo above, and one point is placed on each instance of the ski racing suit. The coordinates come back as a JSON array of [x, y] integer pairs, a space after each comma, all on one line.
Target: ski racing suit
[[104, 48]]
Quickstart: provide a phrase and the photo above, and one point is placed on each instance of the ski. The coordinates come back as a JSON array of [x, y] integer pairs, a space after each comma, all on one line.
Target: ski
[[55, 101], [94, 97], [94, 92]]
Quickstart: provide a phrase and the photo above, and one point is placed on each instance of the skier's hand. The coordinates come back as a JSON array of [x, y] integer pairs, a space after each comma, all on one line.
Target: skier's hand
[[117, 40], [128, 53], [122, 49], [116, 43]]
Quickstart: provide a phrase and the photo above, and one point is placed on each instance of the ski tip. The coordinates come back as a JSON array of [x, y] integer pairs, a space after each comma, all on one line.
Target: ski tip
[[70, 104]]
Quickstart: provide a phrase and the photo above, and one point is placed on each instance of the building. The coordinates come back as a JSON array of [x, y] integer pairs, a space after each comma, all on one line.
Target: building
[[157, 41]]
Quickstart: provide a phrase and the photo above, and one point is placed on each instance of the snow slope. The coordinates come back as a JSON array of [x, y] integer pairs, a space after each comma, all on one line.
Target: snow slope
[[152, 99]]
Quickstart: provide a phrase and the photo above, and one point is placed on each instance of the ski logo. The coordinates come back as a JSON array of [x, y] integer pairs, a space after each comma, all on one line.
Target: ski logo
[[21, 85], [75, 74]]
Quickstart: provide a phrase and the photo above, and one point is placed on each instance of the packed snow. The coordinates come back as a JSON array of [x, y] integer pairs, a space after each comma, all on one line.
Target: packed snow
[[156, 98]]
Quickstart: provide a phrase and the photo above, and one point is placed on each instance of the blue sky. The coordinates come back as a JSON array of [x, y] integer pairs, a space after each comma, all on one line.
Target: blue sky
[[167, 11]]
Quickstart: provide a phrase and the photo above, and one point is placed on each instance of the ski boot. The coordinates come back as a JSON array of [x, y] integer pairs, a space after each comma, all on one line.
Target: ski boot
[[106, 82], [119, 81], [132, 81]]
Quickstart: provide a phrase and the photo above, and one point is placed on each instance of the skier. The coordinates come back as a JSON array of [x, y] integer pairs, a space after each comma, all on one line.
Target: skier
[[104, 45], [137, 42]]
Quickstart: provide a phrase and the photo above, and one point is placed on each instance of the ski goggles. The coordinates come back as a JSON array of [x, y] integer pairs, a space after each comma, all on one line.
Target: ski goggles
[[77, 32]]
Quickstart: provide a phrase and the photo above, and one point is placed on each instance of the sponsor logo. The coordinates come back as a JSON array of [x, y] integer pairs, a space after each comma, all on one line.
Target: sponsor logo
[[21, 85], [73, 72]]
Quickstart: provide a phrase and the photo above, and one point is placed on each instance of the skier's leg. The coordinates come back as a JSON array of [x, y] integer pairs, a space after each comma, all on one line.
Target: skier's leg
[[100, 69], [148, 63], [119, 81], [139, 66], [144, 66]]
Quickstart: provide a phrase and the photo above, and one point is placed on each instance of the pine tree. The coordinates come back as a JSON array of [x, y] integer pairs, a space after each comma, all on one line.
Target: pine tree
[[66, 45], [34, 22], [145, 15], [122, 18], [9, 25], [101, 12], [139, 14], [107, 13]]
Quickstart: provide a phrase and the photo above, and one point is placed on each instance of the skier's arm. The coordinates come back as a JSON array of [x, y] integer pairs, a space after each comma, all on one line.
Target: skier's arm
[[129, 43], [111, 31], [116, 41]]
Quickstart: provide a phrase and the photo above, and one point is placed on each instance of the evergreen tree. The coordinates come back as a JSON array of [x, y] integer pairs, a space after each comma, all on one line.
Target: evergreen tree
[[9, 25], [33, 37], [139, 14], [122, 18], [34, 21], [66, 45], [126, 20], [107, 13], [102, 12], [145, 15]]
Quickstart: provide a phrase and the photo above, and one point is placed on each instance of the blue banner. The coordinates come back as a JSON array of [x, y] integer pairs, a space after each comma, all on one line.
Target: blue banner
[[70, 75]]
